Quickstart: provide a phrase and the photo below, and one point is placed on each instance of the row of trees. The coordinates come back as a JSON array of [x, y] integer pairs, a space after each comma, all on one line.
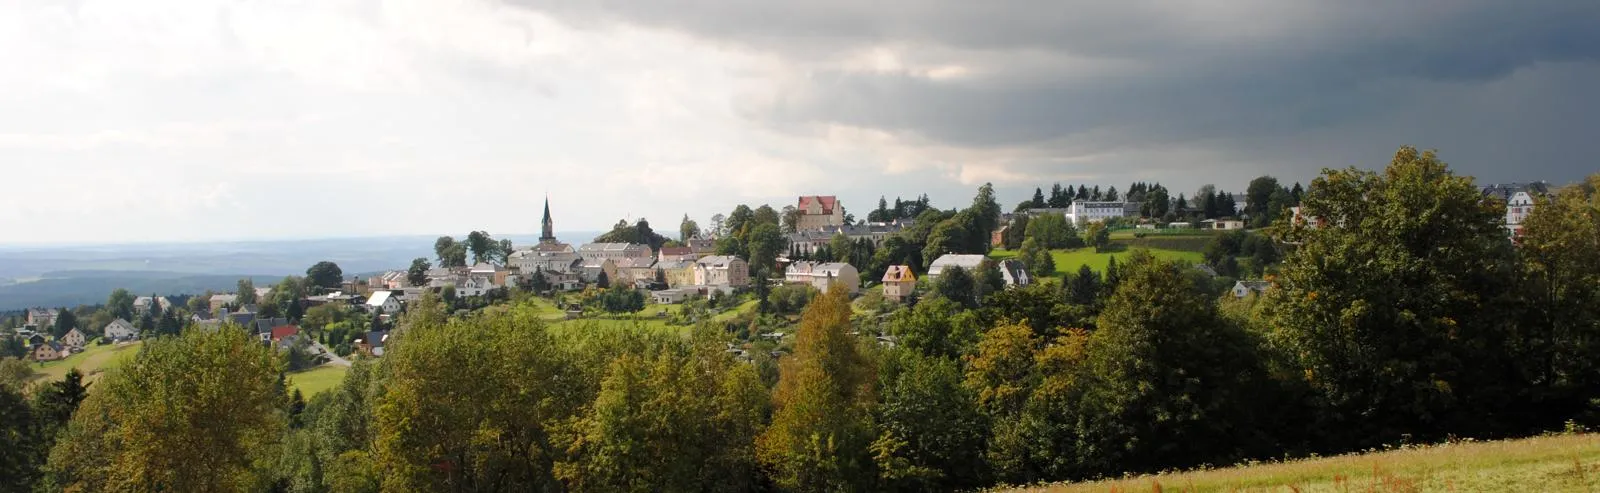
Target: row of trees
[[482, 247]]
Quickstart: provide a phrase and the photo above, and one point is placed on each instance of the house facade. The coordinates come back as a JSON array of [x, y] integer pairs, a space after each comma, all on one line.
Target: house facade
[[1014, 273], [218, 301], [899, 283], [824, 276], [591, 269], [49, 351], [1084, 212], [678, 273], [1520, 199], [722, 270], [74, 338], [384, 302], [119, 330], [141, 305], [633, 270], [819, 211], [546, 257], [613, 251], [1242, 289], [1010, 270], [41, 317]]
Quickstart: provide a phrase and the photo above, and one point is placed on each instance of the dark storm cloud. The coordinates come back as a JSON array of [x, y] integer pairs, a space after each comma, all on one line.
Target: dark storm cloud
[[1200, 73]]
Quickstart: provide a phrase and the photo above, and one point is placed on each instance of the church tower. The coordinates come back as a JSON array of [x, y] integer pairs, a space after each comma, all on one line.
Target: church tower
[[549, 232]]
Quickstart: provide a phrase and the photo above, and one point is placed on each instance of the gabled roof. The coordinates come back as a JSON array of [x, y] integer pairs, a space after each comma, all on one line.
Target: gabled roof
[[899, 273], [817, 269], [224, 298], [827, 202], [608, 247], [676, 251], [377, 338], [963, 261], [282, 331], [120, 324], [378, 298], [636, 262], [717, 261]]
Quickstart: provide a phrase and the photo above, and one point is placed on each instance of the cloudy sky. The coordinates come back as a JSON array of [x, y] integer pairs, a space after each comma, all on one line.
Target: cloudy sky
[[193, 120]]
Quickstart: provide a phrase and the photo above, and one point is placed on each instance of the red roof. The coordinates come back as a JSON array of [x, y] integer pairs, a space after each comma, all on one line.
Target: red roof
[[669, 251], [283, 331], [828, 202]]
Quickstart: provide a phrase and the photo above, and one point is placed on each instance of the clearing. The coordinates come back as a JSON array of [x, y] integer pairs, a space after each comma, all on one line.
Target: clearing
[[316, 380], [93, 361], [1071, 260], [1557, 463]]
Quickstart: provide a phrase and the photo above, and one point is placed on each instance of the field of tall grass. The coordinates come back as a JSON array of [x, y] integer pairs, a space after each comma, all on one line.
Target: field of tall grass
[[1557, 463]]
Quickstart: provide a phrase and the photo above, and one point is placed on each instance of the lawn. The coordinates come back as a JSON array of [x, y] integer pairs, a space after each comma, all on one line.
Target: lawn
[[314, 381], [92, 362], [1071, 260], [1554, 463]]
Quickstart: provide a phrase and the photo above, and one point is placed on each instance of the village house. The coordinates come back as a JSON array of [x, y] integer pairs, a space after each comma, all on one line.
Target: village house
[[141, 305], [591, 270], [473, 285], [119, 330], [722, 270], [49, 351], [671, 254], [1223, 224], [1242, 289], [373, 343], [383, 302], [819, 211], [220, 301], [671, 296], [702, 247], [1010, 270], [1085, 212], [1519, 201], [495, 274], [823, 276], [74, 338], [633, 270], [41, 317], [547, 258], [899, 283], [613, 251], [394, 279], [282, 332], [679, 273]]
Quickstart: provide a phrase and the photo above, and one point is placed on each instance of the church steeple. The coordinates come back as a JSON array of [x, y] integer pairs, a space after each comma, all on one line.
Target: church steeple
[[549, 231]]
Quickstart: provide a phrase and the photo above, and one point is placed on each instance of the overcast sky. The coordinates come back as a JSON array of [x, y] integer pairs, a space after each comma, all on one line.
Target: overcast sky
[[162, 120]]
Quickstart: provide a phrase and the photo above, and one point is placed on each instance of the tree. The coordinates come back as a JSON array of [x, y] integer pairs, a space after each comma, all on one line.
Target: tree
[[1398, 310], [1038, 198], [1111, 194], [64, 323], [688, 229], [1043, 264], [325, 275], [931, 435], [1257, 195], [602, 280], [949, 236], [1560, 333], [444, 249], [936, 327], [1163, 364], [129, 435], [765, 243], [1096, 234], [504, 250], [1030, 253], [482, 246], [246, 293], [1156, 202], [791, 219], [766, 215], [843, 249], [20, 440], [417, 275], [1084, 287], [957, 285], [718, 225], [120, 304], [1015, 232], [985, 219], [1052, 231], [470, 406], [821, 425], [287, 296]]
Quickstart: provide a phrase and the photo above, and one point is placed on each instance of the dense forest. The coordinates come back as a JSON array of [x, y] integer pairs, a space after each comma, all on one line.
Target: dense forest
[[1408, 317]]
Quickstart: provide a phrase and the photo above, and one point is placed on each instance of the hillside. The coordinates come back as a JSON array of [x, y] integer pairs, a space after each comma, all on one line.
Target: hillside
[[1547, 464]]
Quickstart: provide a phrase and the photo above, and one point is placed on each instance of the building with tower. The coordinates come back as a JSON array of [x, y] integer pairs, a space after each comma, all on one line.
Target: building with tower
[[548, 228]]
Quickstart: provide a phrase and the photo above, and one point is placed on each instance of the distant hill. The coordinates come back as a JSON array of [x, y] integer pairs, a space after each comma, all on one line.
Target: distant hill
[[90, 287]]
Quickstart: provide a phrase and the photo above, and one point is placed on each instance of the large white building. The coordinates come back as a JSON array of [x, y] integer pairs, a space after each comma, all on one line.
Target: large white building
[[1519, 199], [819, 211], [614, 251], [1081, 212], [824, 275]]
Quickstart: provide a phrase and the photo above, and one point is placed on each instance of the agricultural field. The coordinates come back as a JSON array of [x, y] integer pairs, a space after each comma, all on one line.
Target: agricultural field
[[1562, 463], [1071, 260], [93, 362], [316, 380]]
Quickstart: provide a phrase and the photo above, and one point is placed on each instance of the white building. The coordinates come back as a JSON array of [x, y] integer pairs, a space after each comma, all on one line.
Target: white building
[[1242, 289], [1083, 212], [721, 270], [120, 330], [383, 302], [824, 276], [1010, 270], [614, 251], [1517, 209]]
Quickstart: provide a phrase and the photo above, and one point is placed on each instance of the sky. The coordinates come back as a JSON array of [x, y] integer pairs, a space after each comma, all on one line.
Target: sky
[[180, 120]]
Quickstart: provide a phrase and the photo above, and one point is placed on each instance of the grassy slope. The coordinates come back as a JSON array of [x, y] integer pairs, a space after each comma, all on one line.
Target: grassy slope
[[1070, 260], [314, 381], [1546, 464], [92, 362]]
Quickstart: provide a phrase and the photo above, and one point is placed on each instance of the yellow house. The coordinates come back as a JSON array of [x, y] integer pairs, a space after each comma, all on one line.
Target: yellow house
[[898, 283]]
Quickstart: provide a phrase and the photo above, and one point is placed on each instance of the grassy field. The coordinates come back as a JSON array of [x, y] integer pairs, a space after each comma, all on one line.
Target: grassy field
[[314, 381], [1567, 463], [1071, 260], [92, 362]]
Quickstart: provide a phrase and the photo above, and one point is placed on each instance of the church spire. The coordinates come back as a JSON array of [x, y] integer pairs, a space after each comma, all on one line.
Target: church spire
[[549, 228]]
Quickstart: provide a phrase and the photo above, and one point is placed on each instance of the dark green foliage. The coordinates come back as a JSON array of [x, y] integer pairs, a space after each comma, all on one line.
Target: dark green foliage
[[956, 284], [639, 232], [325, 275], [936, 327], [931, 436], [417, 275]]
